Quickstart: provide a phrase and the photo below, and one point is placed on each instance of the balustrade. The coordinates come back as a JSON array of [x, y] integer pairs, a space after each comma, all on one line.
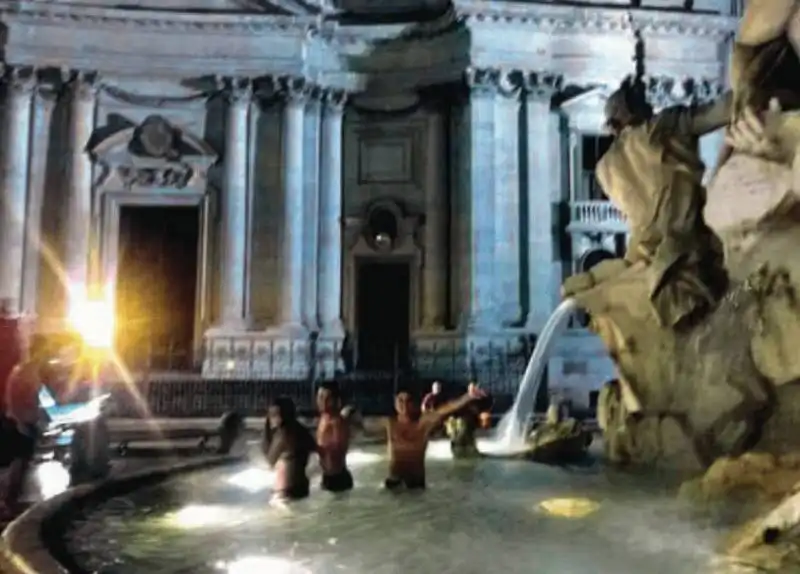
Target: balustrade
[[596, 215]]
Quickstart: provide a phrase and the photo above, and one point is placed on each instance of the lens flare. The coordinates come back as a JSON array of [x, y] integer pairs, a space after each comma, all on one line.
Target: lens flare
[[92, 317]]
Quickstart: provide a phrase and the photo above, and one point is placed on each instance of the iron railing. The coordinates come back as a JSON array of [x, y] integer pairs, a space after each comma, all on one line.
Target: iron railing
[[160, 393]]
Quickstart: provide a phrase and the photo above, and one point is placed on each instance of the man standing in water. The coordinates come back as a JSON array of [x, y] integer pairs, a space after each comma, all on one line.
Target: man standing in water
[[408, 435], [333, 440]]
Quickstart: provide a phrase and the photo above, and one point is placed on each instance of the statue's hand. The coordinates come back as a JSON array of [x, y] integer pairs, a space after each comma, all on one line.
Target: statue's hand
[[756, 135]]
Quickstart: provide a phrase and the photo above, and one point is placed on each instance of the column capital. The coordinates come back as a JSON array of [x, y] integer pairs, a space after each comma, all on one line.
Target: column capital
[[540, 86], [334, 99], [490, 82], [296, 90], [21, 81], [84, 86], [237, 91]]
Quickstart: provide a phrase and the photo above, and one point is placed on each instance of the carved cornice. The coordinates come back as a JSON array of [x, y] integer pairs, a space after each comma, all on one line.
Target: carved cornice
[[569, 19], [126, 19]]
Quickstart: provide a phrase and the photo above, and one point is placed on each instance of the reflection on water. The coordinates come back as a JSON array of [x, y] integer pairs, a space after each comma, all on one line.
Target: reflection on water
[[476, 517]]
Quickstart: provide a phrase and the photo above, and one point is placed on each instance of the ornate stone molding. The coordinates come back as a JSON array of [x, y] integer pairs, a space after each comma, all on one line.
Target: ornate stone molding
[[566, 19], [165, 22]]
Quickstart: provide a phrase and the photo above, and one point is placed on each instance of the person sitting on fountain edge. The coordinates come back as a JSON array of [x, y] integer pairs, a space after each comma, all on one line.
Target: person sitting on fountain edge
[[288, 446], [408, 435], [333, 439]]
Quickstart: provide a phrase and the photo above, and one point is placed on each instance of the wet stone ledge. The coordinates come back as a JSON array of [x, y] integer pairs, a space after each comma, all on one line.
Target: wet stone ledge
[[33, 544]]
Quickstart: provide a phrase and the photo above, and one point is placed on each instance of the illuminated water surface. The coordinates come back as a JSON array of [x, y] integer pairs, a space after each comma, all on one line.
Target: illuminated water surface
[[475, 518]]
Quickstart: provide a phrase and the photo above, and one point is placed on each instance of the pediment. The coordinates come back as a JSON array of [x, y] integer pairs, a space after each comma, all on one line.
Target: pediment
[[154, 154]]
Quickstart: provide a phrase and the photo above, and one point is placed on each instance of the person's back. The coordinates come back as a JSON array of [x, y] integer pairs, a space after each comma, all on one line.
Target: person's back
[[289, 449], [290, 465]]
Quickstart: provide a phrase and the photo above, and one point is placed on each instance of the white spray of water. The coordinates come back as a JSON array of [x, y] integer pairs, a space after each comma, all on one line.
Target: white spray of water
[[510, 434]]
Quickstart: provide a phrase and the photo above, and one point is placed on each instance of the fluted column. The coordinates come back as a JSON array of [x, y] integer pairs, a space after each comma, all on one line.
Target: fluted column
[[434, 279], [296, 92], [330, 217], [234, 208], [544, 161], [476, 202], [15, 174], [78, 196], [507, 248], [47, 94], [311, 165]]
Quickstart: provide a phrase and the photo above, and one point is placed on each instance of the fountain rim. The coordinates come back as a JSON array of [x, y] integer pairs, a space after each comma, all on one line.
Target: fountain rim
[[23, 549]]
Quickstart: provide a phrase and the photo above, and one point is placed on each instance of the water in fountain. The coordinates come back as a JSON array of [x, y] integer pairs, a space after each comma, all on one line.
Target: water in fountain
[[511, 430]]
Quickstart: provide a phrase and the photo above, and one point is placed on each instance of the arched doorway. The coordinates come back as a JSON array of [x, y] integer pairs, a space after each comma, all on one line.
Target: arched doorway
[[587, 262]]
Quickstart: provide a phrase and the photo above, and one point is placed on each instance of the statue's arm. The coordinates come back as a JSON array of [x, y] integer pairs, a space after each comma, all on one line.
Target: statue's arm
[[710, 117], [765, 20]]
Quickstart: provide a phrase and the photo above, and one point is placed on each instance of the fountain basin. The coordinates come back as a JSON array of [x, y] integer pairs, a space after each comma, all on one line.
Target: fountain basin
[[476, 516]]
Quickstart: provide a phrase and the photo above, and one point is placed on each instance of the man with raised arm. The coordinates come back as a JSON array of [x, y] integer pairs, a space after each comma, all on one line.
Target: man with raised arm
[[408, 434]]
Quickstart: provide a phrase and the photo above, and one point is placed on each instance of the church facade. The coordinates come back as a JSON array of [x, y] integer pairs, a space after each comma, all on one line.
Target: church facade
[[375, 185]]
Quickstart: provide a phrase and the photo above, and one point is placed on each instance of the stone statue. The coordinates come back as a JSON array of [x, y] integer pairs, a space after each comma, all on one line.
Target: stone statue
[[702, 315], [561, 439]]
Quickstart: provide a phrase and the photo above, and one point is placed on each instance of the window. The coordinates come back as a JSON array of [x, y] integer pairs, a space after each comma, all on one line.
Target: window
[[592, 149]]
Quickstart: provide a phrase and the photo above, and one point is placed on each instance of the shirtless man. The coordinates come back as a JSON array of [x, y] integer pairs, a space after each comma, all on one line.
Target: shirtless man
[[333, 440], [408, 435], [288, 447]]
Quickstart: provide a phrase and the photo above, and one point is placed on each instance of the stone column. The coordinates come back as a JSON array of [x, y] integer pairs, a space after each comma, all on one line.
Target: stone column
[[311, 161], [15, 174], [544, 192], [507, 248], [434, 279], [234, 224], [47, 94], [296, 92], [330, 217], [78, 196], [476, 202]]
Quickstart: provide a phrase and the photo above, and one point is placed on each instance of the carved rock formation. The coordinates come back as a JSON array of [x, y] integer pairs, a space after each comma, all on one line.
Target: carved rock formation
[[725, 382]]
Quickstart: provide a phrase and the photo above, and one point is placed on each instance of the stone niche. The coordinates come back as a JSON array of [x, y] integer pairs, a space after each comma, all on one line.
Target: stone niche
[[155, 163]]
